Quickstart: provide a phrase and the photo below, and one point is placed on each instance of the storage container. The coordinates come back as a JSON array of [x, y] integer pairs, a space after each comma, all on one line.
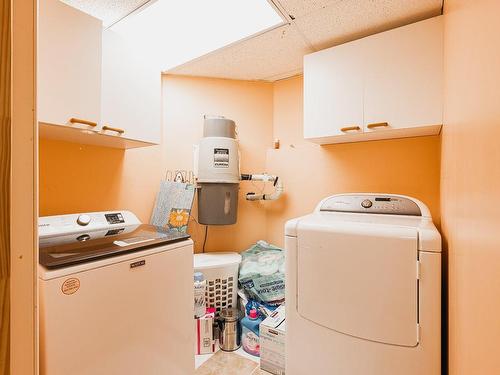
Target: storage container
[[229, 326], [250, 333], [221, 272]]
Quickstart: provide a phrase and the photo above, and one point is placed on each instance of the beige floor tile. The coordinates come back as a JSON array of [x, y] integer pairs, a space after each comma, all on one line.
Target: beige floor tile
[[223, 363], [258, 371]]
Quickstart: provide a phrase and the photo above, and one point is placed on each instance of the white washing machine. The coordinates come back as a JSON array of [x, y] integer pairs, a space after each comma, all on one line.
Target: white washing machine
[[364, 288], [116, 296]]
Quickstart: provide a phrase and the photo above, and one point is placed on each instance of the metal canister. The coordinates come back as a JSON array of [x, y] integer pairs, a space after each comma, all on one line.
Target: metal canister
[[229, 329]]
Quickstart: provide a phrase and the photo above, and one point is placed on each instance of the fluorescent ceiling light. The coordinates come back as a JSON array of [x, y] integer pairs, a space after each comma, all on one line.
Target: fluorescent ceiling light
[[173, 32]]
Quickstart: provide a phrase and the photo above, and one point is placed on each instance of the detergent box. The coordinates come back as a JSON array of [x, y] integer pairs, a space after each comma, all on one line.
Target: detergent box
[[272, 342], [205, 343]]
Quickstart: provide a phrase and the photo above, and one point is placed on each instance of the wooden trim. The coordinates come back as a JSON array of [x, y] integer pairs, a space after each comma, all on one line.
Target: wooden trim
[[23, 191], [5, 154]]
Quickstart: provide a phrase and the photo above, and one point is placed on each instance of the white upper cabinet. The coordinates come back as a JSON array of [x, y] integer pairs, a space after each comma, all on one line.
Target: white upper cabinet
[[333, 96], [404, 79], [69, 65], [94, 87], [131, 90], [399, 76]]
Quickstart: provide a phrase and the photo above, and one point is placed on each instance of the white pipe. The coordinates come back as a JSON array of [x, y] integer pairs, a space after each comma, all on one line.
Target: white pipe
[[263, 177], [278, 187]]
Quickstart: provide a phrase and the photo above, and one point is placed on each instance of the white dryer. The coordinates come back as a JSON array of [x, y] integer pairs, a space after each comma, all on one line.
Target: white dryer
[[364, 288]]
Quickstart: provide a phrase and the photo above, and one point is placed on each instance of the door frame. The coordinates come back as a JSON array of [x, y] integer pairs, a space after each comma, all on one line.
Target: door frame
[[24, 190]]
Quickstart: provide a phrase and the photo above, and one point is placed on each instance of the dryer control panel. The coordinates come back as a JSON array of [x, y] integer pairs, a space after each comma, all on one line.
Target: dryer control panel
[[371, 204]]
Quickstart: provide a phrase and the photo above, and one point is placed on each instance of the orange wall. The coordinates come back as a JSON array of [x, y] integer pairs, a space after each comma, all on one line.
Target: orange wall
[[471, 184], [75, 178], [311, 172], [84, 178]]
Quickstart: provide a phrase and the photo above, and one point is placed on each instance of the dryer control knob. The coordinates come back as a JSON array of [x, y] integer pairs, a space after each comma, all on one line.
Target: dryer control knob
[[83, 220], [366, 203]]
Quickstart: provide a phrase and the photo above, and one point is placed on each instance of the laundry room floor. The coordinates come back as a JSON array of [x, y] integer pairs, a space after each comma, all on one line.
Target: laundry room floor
[[228, 363]]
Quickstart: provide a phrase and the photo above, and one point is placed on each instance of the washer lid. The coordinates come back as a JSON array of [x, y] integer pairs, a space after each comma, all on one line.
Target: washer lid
[[83, 247]]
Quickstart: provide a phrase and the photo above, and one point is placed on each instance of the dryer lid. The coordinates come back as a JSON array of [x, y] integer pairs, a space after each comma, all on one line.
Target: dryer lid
[[71, 249]]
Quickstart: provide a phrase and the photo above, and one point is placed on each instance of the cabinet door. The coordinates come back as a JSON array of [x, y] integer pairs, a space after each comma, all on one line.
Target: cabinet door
[[333, 92], [131, 90], [69, 64], [372, 290], [404, 77]]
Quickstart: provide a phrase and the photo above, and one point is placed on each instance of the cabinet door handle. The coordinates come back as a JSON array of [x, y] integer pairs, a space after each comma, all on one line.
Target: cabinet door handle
[[377, 125], [350, 128], [118, 130], [84, 122]]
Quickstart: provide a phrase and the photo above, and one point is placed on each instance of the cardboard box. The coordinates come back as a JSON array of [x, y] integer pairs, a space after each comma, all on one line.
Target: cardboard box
[[272, 342], [205, 343]]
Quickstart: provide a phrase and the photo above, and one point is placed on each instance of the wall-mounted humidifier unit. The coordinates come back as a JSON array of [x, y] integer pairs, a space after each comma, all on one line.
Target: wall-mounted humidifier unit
[[217, 168], [218, 172]]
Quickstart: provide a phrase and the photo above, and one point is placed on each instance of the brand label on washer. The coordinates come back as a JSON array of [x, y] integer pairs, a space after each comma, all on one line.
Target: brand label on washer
[[139, 263], [70, 286], [221, 157]]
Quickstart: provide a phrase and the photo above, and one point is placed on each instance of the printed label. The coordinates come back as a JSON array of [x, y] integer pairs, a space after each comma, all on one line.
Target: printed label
[[250, 342], [139, 263], [70, 286], [221, 157]]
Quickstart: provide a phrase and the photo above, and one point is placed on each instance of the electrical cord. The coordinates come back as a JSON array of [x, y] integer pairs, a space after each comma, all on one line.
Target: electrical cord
[[205, 240]]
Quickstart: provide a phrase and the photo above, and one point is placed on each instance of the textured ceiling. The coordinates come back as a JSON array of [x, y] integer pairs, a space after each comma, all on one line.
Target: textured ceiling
[[109, 11], [314, 25], [299, 8], [270, 56], [343, 20]]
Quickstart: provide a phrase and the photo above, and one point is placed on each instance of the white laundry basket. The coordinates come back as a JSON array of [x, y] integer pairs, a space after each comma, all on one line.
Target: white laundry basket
[[221, 272]]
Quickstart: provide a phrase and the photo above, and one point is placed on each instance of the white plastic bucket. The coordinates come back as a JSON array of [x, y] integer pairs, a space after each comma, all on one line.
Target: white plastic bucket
[[221, 272]]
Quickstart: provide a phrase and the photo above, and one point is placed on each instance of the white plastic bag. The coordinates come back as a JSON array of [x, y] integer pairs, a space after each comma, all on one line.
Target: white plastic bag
[[262, 273]]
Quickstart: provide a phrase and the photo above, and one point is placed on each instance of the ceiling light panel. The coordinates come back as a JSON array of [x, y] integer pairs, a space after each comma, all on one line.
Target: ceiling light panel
[[173, 32]]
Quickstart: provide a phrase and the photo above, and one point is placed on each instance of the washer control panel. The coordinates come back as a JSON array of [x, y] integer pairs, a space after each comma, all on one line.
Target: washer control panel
[[366, 203], [372, 204], [84, 222]]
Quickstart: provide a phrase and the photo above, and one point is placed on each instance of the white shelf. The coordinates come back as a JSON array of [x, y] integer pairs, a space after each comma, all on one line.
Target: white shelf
[[88, 137], [376, 135]]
